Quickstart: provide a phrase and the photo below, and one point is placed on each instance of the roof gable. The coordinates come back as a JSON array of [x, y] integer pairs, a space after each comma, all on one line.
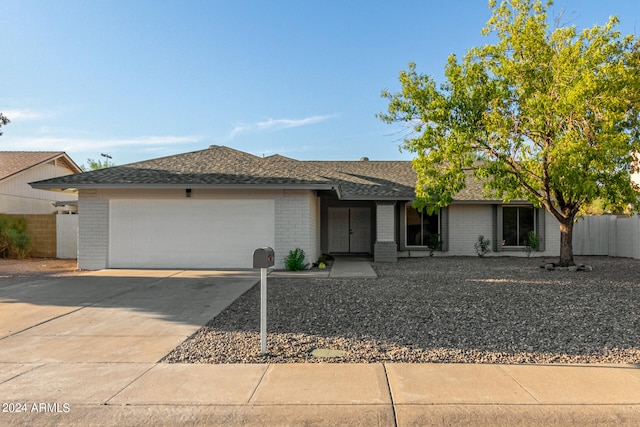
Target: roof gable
[[14, 162]]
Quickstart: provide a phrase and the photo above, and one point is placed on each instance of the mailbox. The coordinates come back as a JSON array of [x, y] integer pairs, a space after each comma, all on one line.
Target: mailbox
[[263, 258]]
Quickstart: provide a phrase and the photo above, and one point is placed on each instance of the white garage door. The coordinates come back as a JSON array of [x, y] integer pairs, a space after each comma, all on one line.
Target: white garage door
[[188, 233]]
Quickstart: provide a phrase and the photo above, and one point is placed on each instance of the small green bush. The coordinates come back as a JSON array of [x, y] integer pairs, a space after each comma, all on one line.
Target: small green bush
[[14, 241], [482, 246], [295, 260], [532, 243], [433, 243], [324, 259]]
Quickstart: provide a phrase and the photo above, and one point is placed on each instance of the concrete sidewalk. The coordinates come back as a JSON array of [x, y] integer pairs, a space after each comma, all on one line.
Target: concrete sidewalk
[[319, 394]]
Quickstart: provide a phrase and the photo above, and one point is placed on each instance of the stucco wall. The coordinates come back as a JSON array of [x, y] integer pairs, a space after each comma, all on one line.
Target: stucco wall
[[296, 214]]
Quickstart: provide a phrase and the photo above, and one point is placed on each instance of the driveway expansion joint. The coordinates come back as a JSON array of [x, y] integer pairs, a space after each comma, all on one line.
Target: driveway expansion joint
[[393, 404]]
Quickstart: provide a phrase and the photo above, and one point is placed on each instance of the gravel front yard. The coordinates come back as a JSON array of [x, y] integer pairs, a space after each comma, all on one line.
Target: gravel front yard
[[14, 271], [471, 310]]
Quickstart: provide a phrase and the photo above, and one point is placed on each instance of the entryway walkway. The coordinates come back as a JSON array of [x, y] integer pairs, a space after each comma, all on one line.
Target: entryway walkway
[[344, 267], [351, 267]]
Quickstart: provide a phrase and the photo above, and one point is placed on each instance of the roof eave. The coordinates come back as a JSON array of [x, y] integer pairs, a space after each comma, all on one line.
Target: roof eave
[[58, 187], [374, 197]]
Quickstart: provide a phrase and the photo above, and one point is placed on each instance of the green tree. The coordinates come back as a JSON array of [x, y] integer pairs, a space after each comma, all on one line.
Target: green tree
[[96, 164], [3, 121], [552, 114]]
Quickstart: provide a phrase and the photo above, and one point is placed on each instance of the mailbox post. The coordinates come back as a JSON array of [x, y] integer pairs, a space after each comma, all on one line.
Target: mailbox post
[[263, 258]]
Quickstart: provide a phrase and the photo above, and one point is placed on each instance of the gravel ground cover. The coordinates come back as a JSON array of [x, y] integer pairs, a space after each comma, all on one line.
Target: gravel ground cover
[[463, 309], [14, 271]]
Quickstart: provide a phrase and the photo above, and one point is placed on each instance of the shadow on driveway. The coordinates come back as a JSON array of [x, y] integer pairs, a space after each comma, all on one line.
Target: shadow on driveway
[[112, 315]]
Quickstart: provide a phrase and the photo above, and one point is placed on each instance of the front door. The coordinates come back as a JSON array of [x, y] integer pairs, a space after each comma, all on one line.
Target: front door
[[350, 230]]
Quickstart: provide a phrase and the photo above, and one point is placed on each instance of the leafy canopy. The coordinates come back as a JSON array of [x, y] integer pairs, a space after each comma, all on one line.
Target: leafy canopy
[[4, 120], [96, 164], [544, 115]]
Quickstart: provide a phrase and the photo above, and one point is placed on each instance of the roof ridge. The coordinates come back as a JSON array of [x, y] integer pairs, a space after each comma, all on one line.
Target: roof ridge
[[233, 150]]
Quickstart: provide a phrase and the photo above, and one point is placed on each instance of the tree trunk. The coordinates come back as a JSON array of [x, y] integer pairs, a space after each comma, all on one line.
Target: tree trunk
[[566, 242]]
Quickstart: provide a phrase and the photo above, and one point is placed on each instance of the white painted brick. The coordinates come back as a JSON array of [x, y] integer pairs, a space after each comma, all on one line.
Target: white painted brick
[[93, 231], [297, 222], [385, 223], [467, 222]]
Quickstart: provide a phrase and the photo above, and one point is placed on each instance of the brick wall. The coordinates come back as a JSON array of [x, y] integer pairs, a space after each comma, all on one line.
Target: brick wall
[[296, 225], [385, 222], [93, 234], [385, 252], [41, 228], [468, 221]]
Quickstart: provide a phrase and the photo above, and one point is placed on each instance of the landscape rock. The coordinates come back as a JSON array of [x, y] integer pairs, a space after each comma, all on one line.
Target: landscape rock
[[440, 310]]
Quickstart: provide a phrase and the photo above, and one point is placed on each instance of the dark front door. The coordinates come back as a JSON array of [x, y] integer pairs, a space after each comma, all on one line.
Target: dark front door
[[350, 230]]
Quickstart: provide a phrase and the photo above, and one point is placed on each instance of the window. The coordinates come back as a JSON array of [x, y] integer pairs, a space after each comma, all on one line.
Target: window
[[420, 226], [517, 222]]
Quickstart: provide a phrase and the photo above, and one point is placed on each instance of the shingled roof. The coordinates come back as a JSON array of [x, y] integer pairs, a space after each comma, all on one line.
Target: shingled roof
[[366, 179], [224, 167], [14, 162]]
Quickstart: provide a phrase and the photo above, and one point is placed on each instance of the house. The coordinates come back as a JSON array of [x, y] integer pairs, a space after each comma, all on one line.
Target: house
[[212, 208], [19, 168], [51, 235]]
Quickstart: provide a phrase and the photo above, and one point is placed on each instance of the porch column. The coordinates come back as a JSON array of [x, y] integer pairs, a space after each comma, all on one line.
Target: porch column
[[385, 248]]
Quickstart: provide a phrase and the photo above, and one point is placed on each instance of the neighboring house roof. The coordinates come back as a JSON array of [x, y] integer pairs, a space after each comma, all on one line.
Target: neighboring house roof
[[14, 162], [224, 167]]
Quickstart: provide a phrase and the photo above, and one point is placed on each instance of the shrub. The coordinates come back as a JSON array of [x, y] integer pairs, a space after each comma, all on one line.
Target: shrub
[[14, 241], [482, 246], [295, 260], [532, 243], [324, 259], [433, 243]]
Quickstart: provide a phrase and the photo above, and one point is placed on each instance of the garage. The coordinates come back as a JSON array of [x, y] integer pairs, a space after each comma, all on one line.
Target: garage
[[188, 233]]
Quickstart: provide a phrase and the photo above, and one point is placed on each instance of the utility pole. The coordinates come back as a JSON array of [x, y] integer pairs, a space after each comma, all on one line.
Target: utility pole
[[107, 157]]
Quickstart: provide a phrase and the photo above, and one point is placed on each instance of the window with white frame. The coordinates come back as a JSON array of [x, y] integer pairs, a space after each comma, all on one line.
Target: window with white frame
[[420, 227], [517, 222]]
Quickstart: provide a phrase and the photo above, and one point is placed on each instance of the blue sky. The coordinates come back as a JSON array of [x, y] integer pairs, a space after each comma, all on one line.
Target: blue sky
[[138, 79]]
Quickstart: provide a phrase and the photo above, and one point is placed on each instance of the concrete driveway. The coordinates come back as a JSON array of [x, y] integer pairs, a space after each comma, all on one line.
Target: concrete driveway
[[112, 315]]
